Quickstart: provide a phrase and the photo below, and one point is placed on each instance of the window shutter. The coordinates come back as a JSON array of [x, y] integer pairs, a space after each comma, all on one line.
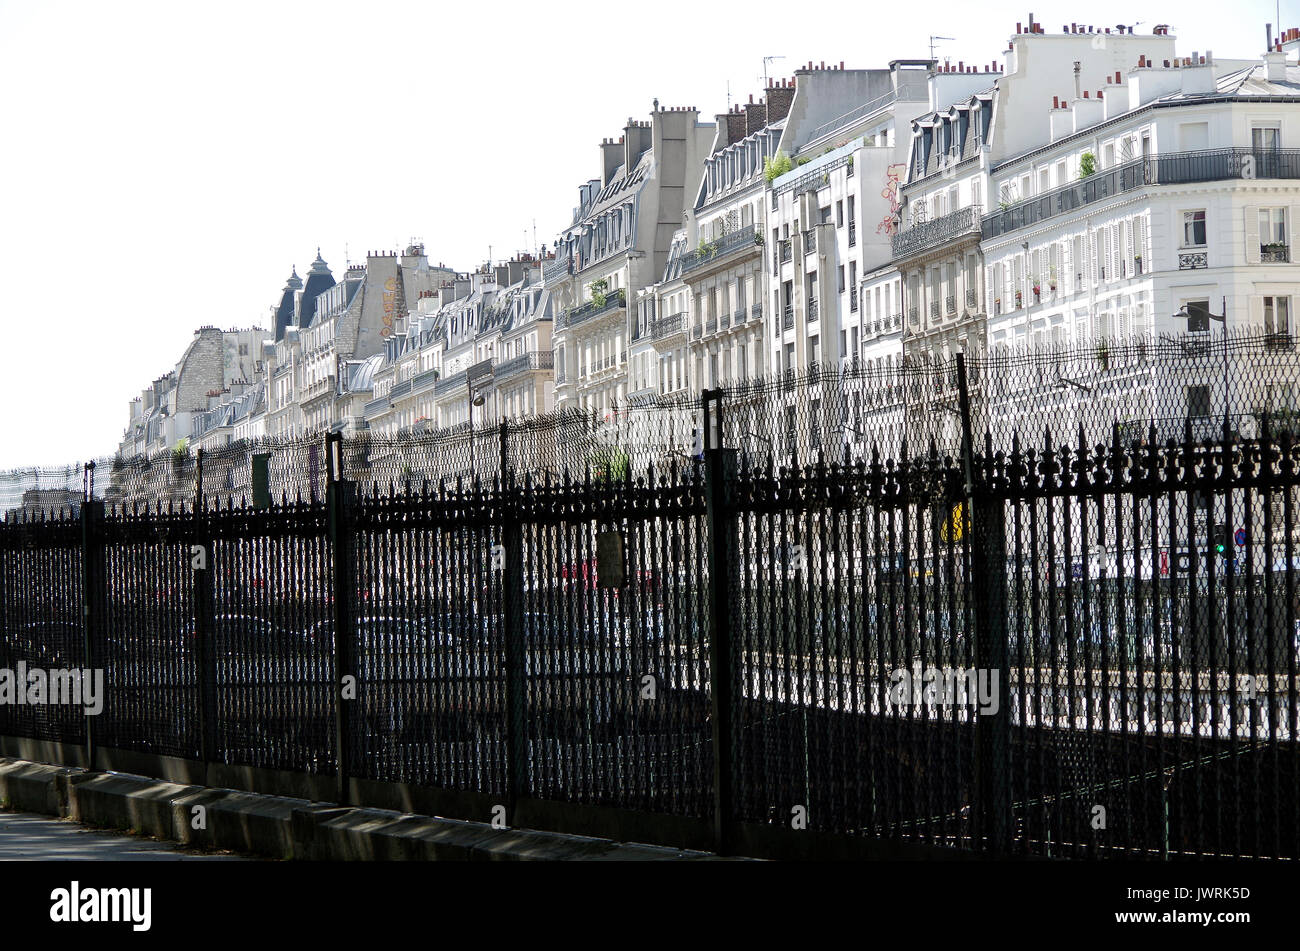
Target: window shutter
[[1140, 240], [1091, 276], [1256, 313], [1252, 234], [1293, 231]]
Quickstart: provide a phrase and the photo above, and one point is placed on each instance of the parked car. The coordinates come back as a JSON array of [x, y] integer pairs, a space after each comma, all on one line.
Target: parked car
[[233, 634]]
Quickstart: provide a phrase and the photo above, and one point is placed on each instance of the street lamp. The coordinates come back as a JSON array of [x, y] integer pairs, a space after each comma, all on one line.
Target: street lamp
[[475, 399], [1184, 314]]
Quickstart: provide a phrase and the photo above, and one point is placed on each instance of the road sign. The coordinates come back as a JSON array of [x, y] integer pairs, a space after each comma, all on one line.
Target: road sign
[[1240, 537]]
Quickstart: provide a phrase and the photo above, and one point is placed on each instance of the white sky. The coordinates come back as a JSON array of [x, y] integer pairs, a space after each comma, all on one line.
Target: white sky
[[163, 166]]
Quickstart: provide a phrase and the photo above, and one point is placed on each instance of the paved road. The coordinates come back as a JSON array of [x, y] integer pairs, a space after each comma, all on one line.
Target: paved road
[[28, 837]]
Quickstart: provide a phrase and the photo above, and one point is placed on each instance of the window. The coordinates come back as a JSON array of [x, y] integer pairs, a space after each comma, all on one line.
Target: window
[[1272, 231], [1277, 315], [1198, 401], [1193, 229], [839, 214], [1265, 139], [1198, 316]]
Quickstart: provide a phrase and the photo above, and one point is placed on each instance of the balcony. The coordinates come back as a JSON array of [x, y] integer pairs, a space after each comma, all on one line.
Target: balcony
[[934, 308], [711, 325], [1275, 254], [950, 305], [712, 251], [931, 234], [853, 232], [669, 326], [463, 378], [756, 312], [555, 271], [697, 332], [787, 317], [786, 252], [1173, 168], [972, 300], [1192, 260], [809, 242], [812, 311], [853, 300], [524, 363], [592, 309], [322, 387]]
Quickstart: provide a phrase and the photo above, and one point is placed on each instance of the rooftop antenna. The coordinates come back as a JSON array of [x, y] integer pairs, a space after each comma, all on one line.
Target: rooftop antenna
[[728, 95], [934, 38], [766, 60]]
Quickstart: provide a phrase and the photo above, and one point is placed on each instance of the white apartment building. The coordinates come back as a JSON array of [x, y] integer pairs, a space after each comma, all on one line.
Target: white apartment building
[[1169, 194], [618, 244]]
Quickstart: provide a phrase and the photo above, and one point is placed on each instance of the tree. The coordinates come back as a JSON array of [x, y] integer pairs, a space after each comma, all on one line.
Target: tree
[[1087, 164], [776, 166]]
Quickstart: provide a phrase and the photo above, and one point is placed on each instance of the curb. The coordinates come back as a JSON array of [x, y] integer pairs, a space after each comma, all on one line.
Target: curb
[[284, 828]]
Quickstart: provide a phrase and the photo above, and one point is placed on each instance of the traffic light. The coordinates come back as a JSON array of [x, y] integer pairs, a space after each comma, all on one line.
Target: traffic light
[[1222, 541]]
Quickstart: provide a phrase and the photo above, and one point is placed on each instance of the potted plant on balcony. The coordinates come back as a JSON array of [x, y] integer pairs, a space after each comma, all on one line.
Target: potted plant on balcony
[[1137, 264], [1087, 164], [1038, 291], [1051, 278], [1273, 251], [758, 238], [1019, 299], [997, 305], [598, 288]]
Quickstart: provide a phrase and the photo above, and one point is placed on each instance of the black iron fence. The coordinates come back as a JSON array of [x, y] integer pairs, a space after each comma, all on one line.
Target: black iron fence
[[1070, 642]]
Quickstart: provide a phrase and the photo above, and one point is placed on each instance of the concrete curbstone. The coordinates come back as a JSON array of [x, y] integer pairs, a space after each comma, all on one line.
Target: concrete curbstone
[[286, 828]]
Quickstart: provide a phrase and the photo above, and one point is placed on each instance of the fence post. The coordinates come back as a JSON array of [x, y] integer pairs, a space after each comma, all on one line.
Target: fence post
[[339, 495], [204, 655], [722, 565], [92, 581], [518, 775], [988, 586]]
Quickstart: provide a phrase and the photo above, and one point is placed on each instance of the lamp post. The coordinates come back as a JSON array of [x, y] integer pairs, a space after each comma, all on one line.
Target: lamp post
[[1184, 314]]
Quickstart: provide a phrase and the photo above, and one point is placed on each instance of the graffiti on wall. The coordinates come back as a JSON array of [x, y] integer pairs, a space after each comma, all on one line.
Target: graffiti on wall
[[893, 178]]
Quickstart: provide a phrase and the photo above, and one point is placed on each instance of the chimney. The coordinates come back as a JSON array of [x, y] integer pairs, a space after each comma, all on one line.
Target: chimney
[[516, 271], [637, 137], [778, 102], [755, 115], [734, 123], [502, 275], [1197, 79], [611, 156], [1275, 65]]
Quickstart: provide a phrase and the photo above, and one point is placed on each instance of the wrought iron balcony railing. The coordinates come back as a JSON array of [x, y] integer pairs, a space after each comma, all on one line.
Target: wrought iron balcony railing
[[1172, 168], [787, 318], [713, 250], [667, 326], [592, 309], [555, 271], [786, 253], [1276, 255], [533, 360], [812, 310], [930, 234]]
